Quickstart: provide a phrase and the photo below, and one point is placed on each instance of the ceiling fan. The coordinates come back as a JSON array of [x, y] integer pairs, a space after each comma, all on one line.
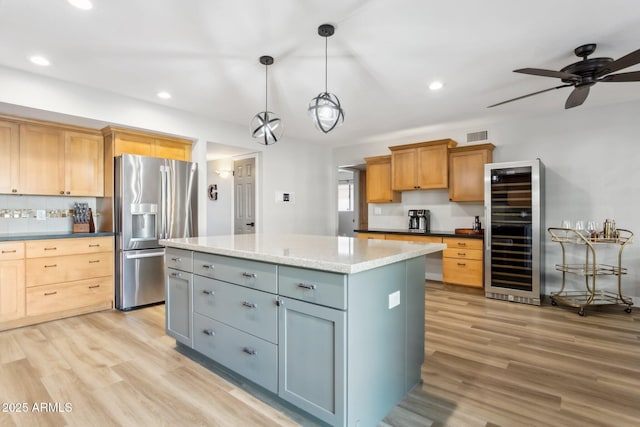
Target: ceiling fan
[[584, 74]]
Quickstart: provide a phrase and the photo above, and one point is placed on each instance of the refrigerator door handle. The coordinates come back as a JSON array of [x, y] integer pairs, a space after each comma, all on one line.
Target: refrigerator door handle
[[163, 202], [144, 255]]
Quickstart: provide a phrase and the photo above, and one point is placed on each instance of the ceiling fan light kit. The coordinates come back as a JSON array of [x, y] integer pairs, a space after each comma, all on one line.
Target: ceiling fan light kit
[[266, 127], [325, 109], [584, 74]]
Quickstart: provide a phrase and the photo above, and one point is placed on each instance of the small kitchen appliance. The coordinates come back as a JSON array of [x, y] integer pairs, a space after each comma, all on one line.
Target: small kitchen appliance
[[413, 220], [423, 220]]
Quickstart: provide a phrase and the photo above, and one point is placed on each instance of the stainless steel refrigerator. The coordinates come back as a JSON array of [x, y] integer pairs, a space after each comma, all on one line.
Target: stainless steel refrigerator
[[514, 204], [153, 199]]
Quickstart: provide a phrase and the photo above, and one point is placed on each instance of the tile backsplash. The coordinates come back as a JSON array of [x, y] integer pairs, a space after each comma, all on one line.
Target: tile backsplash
[[29, 214]]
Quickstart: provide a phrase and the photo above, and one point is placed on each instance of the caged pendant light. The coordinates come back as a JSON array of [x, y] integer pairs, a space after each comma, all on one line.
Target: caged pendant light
[[325, 109], [266, 127]]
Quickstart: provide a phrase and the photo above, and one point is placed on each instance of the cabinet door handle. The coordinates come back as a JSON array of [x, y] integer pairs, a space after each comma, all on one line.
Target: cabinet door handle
[[209, 332], [174, 274], [51, 249], [207, 266], [206, 292], [50, 293], [251, 275], [249, 304], [305, 286], [94, 286], [9, 252], [176, 259], [94, 261], [249, 351], [461, 264], [94, 246], [51, 266]]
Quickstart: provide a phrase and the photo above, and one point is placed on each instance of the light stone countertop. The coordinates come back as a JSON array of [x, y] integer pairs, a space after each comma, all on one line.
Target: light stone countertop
[[346, 255]]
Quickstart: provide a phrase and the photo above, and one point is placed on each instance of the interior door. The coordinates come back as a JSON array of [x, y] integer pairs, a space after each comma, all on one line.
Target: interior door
[[244, 196]]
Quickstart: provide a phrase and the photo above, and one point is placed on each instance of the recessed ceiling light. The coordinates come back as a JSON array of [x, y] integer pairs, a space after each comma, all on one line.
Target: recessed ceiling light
[[436, 85], [40, 60], [164, 95], [81, 4]]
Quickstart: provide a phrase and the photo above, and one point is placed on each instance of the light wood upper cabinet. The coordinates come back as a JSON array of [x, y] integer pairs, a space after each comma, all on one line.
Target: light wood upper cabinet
[[421, 166], [41, 160], [466, 172], [128, 141], [9, 155], [84, 164], [379, 181]]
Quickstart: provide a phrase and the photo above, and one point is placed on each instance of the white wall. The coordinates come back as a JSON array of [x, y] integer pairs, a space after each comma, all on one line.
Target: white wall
[[288, 165], [591, 158]]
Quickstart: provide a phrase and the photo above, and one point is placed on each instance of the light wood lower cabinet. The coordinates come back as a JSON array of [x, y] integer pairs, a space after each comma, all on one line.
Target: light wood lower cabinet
[[58, 278], [12, 302], [379, 236], [462, 262]]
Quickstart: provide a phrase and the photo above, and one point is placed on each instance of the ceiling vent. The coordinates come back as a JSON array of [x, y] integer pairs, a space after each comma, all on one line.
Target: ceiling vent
[[477, 136]]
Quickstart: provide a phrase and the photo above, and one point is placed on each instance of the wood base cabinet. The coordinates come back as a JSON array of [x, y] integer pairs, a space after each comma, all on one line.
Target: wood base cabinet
[[12, 293], [462, 262]]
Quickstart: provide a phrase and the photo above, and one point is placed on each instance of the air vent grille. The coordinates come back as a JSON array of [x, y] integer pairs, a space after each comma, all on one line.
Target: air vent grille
[[477, 136], [513, 298]]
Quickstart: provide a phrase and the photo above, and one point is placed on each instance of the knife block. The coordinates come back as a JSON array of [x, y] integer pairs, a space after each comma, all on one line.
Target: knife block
[[81, 228]]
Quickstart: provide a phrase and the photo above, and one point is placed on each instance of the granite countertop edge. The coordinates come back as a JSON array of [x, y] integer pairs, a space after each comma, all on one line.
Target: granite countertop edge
[[12, 237]]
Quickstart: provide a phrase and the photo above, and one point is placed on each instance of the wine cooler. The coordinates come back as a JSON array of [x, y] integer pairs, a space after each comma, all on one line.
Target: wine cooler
[[514, 195]]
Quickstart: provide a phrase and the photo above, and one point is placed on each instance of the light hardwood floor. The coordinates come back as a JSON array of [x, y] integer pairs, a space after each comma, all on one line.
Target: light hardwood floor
[[487, 363]]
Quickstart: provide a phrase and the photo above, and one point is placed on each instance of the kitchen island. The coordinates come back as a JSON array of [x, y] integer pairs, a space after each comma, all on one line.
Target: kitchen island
[[332, 325]]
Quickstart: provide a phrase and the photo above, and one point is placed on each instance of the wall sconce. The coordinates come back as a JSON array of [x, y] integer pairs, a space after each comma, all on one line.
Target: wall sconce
[[224, 173]]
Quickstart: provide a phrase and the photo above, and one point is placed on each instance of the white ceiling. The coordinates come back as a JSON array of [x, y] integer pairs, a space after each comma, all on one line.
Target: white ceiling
[[382, 57]]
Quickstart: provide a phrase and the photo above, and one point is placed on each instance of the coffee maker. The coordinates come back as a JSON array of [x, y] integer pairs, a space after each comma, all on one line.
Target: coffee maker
[[419, 220]]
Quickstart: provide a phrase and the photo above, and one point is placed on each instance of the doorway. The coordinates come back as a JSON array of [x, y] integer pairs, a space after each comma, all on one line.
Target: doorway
[[244, 184], [352, 205]]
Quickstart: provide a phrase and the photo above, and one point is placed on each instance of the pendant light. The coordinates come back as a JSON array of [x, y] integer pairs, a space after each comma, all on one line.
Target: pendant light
[[266, 127], [325, 109]]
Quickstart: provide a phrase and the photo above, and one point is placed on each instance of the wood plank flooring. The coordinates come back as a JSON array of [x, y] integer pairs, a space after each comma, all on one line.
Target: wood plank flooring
[[487, 363]]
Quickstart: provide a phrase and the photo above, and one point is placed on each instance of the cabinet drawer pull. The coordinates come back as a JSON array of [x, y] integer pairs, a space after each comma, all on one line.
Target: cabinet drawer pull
[[176, 259], [9, 252], [461, 264], [175, 274], [97, 245], [51, 249], [462, 254], [249, 304], [51, 266], [305, 286], [462, 244], [249, 351], [209, 332], [94, 286], [207, 266], [206, 292], [251, 275], [46, 294], [94, 261]]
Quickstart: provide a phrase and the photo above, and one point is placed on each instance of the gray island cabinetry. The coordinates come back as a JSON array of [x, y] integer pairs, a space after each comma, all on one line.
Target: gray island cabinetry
[[332, 325]]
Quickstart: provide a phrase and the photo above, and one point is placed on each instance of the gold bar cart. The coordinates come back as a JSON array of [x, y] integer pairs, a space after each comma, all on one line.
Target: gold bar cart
[[590, 270]]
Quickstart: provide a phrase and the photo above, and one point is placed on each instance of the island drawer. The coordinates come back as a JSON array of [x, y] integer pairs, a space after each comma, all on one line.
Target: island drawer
[[71, 246], [68, 296], [179, 259], [252, 274], [251, 311], [10, 251], [317, 287], [252, 357]]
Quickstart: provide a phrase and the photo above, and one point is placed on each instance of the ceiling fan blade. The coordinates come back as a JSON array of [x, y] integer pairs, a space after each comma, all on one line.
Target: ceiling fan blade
[[626, 61], [548, 73], [528, 95], [577, 97], [633, 76]]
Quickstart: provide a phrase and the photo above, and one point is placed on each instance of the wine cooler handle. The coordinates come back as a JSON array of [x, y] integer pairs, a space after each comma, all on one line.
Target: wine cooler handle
[[487, 230]]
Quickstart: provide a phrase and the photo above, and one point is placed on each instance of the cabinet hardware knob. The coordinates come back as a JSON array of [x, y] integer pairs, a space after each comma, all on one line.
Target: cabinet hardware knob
[[305, 286], [62, 192], [251, 275], [14, 190], [209, 332], [249, 304], [279, 302], [68, 192], [174, 274], [176, 259], [461, 264], [94, 286], [9, 252], [93, 261], [50, 265], [50, 293], [206, 292], [207, 266], [249, 351], [51, 249]]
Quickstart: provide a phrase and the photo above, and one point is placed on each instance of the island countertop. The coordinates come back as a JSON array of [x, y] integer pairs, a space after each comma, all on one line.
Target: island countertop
[[337, 254]]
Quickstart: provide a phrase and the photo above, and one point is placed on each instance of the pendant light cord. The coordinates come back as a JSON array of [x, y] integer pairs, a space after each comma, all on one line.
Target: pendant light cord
[[326, 42], [266, 72]]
